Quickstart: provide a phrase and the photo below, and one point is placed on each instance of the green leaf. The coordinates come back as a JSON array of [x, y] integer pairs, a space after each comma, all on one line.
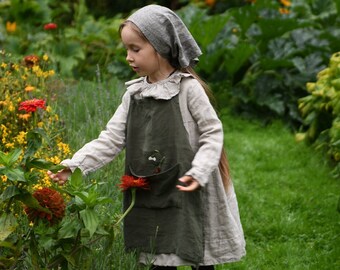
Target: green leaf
[[244, 16], [10, 192], [76, 180], [83, 195], [235, 58], [8, 224], [10, 158], [275, 27], [203, 27], [34, 142], [43, 165], [90, 219], [14, 174], [102, 200], [7, 244], [35, 258], [69, 228]]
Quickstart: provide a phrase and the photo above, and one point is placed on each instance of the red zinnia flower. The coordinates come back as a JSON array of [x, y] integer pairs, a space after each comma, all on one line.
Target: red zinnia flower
[[50, 26], [32, 105], [128, 181], [52, 201], [31, 60]]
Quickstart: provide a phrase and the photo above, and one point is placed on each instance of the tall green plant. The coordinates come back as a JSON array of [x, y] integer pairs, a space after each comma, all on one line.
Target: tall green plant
[[53, 236], [321, 111]]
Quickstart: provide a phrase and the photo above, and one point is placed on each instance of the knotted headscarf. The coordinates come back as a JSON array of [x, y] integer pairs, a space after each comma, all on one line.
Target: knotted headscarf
[[167, 34]]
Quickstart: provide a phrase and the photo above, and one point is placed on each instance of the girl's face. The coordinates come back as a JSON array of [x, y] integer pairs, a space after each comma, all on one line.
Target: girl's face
[[142, 57]]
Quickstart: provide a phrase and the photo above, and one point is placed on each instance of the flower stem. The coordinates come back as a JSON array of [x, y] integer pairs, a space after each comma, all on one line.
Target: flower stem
[[133, 200]]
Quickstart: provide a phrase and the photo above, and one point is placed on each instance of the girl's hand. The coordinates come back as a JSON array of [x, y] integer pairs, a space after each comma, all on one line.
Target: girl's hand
[[190, 183], [61, 176]]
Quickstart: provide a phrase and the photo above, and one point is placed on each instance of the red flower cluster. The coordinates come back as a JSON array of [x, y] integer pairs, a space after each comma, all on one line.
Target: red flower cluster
[[31, 60], [51, 200], [128, 181], [32, 105], [50, 26]]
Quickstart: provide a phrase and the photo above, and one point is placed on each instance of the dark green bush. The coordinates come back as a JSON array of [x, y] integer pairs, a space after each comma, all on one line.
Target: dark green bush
[[259, 59]]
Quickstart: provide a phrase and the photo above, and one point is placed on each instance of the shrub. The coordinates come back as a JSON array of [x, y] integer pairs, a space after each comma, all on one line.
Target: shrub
[[321, 112]]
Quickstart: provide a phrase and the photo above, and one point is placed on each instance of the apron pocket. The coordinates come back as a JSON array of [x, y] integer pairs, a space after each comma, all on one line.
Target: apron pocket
[[162, 193]]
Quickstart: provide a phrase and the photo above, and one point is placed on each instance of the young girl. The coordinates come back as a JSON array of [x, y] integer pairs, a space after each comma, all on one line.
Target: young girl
[[174, 139]]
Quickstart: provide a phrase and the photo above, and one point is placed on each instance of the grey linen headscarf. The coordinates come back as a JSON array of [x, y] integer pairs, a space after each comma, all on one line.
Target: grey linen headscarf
[[167, 34]]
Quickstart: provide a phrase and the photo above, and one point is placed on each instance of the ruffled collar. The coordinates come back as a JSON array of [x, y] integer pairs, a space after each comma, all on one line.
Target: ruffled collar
[[164, 89]]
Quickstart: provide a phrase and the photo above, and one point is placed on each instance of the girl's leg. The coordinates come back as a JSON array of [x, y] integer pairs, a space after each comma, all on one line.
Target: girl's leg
[[203, 267]]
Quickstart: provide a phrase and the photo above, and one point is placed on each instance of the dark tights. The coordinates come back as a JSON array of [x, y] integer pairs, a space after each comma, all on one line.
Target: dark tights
[[207, 267]]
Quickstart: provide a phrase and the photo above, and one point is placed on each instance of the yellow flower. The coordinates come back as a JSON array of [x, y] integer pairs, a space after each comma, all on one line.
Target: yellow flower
[[29, 88], [64, 148], [21, 137], [31, 224], [4, 178], [9, 145], [11, 107], [3, 65], [11, 27], [45, 57], [16, 67], [40, 124]]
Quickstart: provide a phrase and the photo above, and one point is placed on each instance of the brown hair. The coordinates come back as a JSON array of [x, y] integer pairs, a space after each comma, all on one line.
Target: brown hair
[[224, 164]]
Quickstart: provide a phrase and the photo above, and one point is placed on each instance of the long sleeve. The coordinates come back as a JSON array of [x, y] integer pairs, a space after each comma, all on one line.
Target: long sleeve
[[208, 134], [106, 147]]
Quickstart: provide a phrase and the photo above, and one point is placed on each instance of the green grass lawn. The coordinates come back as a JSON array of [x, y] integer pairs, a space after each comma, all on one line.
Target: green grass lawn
[[287, 197]]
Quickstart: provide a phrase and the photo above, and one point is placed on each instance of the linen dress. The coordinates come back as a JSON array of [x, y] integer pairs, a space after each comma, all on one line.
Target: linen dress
[[223, 234]]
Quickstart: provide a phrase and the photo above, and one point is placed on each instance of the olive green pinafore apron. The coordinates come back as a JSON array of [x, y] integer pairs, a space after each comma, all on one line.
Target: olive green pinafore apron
[[164, 220]]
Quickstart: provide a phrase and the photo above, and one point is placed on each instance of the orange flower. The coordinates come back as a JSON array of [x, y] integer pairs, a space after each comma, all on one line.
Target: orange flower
[[32, 105], [210, 3], [11, 27], [50, 26], [284, 11], [286, 3], [25, 116], [128, 181], [52, 201], [31, 60]]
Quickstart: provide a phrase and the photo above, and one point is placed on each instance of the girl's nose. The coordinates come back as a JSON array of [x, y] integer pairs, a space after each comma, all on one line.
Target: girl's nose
[[129, 58]]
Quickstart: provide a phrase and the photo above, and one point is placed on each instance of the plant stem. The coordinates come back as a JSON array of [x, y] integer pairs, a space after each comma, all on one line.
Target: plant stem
[[133, 200]]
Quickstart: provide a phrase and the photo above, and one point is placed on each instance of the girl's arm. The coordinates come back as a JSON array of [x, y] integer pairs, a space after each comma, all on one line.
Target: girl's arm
[[209, 129], [106, 147]]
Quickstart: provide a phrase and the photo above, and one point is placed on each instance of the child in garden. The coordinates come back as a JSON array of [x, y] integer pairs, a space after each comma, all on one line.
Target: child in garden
[[173, 139]]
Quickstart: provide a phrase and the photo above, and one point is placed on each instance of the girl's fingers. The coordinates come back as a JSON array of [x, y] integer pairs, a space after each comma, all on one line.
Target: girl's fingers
[[190, 184]]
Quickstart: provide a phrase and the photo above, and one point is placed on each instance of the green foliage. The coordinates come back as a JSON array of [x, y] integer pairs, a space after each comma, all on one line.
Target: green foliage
[[76, 46], [321, 111], [256, 56], [261, 57], [67, 244]]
